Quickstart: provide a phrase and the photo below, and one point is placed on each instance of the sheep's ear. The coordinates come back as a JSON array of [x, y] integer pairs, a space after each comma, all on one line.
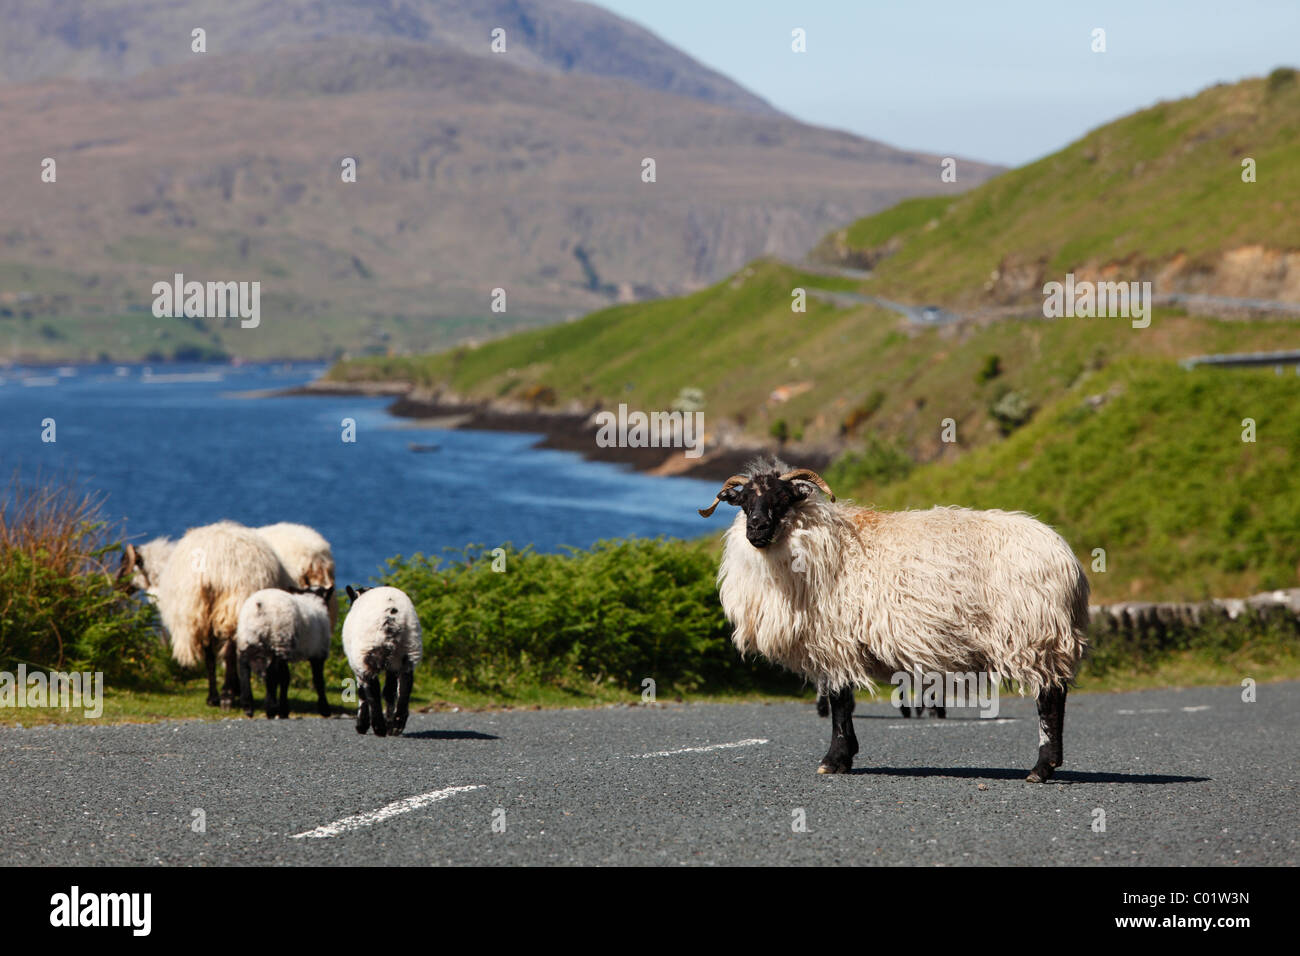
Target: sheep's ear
[[352, 593], [329, 593]]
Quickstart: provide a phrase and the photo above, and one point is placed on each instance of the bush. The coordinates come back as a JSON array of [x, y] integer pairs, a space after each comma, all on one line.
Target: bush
[[59, 607], [1010, 411], [621, 612], [990, 370], [1280, 78], [878, 463]]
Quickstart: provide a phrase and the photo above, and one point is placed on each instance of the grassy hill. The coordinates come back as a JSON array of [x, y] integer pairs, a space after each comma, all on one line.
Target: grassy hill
[[1086, 422], [1156, 195]]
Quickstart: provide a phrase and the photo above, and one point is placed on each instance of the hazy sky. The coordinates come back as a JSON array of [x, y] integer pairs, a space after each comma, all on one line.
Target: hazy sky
[[1003, 81]]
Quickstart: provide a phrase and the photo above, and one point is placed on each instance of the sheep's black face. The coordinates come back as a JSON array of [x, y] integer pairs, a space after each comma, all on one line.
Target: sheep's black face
[[767, 501]]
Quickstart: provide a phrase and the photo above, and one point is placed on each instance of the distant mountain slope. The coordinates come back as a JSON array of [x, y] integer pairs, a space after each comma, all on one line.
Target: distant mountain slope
[[1156, 196], [88, 39], [473, 174], [834, 375]]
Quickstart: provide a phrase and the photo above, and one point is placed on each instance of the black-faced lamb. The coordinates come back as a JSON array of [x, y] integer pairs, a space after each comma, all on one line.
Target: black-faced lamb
[[381, 635], [275, 628], [848, 596]]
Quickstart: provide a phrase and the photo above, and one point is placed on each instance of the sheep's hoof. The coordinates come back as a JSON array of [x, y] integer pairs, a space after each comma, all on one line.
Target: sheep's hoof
[[213, 700], [248, 712], [226, 703], [1040, 774], [829, 766], [324, 710]]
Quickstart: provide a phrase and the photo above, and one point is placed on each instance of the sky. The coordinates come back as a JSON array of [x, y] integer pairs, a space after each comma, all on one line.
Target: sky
[[1006, 82]]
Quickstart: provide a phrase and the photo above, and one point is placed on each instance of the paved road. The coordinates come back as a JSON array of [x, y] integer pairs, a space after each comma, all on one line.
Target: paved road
[[1184, 777]]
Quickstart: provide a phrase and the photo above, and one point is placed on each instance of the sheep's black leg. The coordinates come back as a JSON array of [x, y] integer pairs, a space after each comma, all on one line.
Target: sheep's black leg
[[284, 689], [272, 679], [210, 659], [844, 742], [404, 682], [363, 710], [230, 687], [1051, 724], [374, 698], [245, 685], [390, 695], [318, 681]]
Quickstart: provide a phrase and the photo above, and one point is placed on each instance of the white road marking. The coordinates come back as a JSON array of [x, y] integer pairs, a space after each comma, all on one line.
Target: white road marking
[[695, 750], [960, 721], [1192, 710], [371, 817]]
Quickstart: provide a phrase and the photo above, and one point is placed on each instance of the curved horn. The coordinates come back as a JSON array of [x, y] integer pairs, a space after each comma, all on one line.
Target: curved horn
[[809, 475], [729, 483], [129, 559]]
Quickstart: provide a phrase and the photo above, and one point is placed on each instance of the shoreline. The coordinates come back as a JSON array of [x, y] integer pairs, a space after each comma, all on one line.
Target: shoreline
[[560, 430]]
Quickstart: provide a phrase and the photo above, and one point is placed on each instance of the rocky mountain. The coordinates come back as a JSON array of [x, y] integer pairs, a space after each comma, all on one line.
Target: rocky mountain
[[475, 171]]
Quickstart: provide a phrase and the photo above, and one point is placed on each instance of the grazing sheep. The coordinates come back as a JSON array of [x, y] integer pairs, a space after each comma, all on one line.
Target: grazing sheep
[[381, 634], [306, 555], [211, 572], [847, 596], [276, 627], [145, 564]]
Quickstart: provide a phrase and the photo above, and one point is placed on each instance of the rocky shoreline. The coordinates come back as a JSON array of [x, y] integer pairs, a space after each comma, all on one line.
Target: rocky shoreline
[[566, 430]]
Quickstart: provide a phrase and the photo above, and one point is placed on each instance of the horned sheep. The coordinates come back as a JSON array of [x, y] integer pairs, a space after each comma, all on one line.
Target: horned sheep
[[381, 635], [200, 589], [275, 628], [847, 596]]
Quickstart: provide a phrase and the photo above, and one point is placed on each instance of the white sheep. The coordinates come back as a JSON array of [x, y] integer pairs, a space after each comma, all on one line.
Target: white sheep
[[145, 564], [306, 555], [275, 628], [381, 635], [210, 573], [847, 596]]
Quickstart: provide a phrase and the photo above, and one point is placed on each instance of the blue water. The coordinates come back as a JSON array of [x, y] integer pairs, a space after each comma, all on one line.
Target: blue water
[[170, 454]]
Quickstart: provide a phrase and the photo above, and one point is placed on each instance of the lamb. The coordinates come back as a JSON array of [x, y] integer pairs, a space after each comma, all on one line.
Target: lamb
[[276, 627], [381, 634], [212, 570], [847, 596], [306, 555]]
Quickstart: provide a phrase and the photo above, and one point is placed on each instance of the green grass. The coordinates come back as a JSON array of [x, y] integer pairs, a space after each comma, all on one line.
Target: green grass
[[1162, 182], [1153, 470]]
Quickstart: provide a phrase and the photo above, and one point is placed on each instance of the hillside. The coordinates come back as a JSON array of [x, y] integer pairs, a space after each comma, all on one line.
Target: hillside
[[1087, 422], [1147, 461], [1155, 196], [519, 171]]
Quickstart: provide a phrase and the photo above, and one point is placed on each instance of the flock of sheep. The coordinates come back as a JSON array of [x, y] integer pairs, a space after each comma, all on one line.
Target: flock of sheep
[[264, 597], [845, 596]]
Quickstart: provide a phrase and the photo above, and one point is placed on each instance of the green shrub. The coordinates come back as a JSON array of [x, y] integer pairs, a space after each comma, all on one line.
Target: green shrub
[[623, 611], [990, 370], [59, 606], [878, 463]]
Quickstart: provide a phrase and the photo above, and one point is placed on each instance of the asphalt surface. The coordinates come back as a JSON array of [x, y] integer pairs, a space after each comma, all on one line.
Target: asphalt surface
[[1184, 777]]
